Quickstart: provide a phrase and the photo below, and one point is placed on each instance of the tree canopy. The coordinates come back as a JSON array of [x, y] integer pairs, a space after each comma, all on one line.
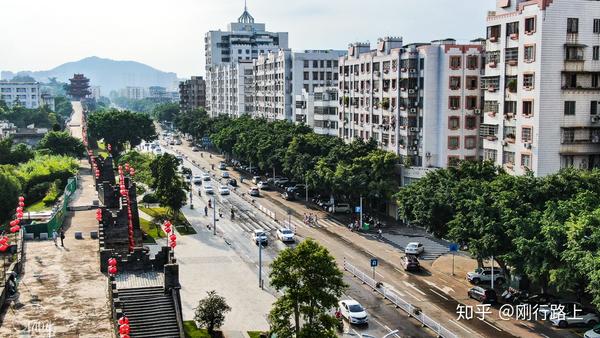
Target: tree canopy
[[121, 128], [14, 154], [166, 111], [210, 312], [62, 143], [167, 184]]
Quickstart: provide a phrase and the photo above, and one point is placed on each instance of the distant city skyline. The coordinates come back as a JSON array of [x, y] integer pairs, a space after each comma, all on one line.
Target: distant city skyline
[[171, 38]]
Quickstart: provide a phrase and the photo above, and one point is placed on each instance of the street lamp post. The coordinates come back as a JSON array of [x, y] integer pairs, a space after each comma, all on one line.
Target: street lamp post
[[214, 216], [306, 188], [260, 281], [191, 195], [361, 213]]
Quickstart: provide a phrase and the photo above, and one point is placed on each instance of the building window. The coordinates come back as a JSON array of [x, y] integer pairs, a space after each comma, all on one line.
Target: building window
[[454, 102], [527, 108], [512, 29], [305, 63], [530, 25], [596, 53], [526, 134], [528, 81], [597, 26], [510, 107], [508, 157], [526, 161], [453, 122], [315, 76], [453, 142], [569, 107], [470, 102], [572, 25], [470, 142], [455, 62], [490, 155], [493, 33], [472, 62], [593, 107], [529, 53], [306, 76], [315, 64], [471, 82], [453, 161], [511, 56], [595, 80], [454, 82], [471, 122]]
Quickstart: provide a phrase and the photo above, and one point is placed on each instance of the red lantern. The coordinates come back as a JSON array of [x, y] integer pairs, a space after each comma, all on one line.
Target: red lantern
[[112, 270], [21, 199], [20, 215], [19, 209], [123, 320], [21, 204], [168, 230], [173, 244], [173, 237], [13, 223], [112, 262], [15, 229], [3, 240], [167, 223], [125, 336], [124, 329], [3, 247]]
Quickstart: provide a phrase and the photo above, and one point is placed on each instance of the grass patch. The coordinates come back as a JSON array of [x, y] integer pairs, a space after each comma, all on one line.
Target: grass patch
[[37, 207], [180, 223], [254, 334], [151, 231], [191, 331]]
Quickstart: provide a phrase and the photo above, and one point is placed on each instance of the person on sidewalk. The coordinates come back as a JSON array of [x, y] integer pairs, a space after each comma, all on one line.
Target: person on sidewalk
[[54, 237], [206, 210], [62, 238]]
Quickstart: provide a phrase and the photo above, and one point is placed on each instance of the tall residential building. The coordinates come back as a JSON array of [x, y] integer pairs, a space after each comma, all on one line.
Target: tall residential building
[[192, 93], [243, 41], [133, 93], [542, 85], [96, 92], [26, 94], [157, 92], [281, 76], [420, 101], [318, 110]]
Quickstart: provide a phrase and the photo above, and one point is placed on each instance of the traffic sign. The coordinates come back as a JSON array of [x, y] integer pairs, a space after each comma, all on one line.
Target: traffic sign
[[374, 262], [453, 247], [357, 209]]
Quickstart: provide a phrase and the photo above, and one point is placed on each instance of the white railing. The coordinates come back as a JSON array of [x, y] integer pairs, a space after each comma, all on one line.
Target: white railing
[[412, 310]]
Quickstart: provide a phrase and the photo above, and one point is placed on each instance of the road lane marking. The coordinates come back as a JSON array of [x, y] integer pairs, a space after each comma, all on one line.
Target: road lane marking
[[492, 325], [384, 326], [414, 287], [349, 255], [413, 295], [437, 293], [378, 274], [463, 327], [402, 272]]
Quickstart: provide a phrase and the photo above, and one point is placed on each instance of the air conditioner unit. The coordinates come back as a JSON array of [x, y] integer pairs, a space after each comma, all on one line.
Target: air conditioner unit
[[411, 91], [412, 148], [412, 70], [595, 119], [413, 110], [415, 142], [477, 111], [527, 145], [415, 129]]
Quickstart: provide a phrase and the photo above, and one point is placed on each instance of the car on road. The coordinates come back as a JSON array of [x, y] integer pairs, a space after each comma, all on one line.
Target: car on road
[[298, 188], [341, 207], [575, 316], [262, 185], [232, 182], [593, 333], [224, 190], [414, 248], [285, 235], [225, 174], [222, 166], [281, 181], [260, 236], [205, 177], [255, 179], [353, 311], [197, 179], [482, 295], [178, 142], [195, 149], [208, 189], [485, 275], [289, 196], [410, 263], [273, 180], [254, 191]]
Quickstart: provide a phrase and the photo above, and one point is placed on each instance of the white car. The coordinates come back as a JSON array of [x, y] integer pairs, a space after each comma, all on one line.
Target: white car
[[414, 248], [262, 185], [208, 189], [254, 191], [197, 179], [353, 312], [225, 174], [205, 177], [577, 318], [260, 235], [223, 190], [593, 333], [285, 235], [255, 179]]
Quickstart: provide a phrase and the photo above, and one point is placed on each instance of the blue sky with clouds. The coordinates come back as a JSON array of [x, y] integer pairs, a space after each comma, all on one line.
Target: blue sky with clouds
[[170, 35]]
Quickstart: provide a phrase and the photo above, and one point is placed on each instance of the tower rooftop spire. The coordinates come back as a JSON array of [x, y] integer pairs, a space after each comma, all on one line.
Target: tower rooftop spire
[[246, 17]]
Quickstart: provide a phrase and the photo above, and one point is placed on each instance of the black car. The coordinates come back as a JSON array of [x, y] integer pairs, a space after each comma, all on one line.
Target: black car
[[290, 196], [232, 182], [483, 295]]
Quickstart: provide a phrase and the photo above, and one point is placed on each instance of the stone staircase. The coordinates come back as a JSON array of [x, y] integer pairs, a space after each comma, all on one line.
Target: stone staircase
[[151, 312]]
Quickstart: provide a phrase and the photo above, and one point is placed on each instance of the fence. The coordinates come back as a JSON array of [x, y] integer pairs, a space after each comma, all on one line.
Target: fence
[[412, 310], [59, 212]]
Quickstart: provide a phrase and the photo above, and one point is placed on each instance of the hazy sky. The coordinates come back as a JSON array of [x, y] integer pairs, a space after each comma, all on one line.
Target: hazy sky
[[169, 35]]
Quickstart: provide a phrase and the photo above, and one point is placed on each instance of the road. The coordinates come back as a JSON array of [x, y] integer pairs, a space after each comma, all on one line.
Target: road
[[383, 318]]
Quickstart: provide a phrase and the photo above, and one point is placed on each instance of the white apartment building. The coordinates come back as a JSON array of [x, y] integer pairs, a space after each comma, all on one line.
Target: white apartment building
[[281, 76], [133, 93], [231, 89], [420, 101], [26, 94], [96, 92], [542, 85], [243, 41], [318, 110]]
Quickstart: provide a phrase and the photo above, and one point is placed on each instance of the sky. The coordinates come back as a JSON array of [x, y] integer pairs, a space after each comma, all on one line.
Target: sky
[[169, 35]]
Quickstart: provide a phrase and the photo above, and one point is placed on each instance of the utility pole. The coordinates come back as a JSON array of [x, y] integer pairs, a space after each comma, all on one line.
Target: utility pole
[[492, 272], [260, 281], [191, 195], [361, 214], [306, 188], [214, 216]]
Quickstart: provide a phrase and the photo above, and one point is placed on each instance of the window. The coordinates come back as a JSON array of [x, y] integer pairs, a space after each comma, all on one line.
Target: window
[[568, 136], [471, 82], [472, 62], [453, 161], [510, 107], [572, 25], [509, 133], [574, 53], [529, 53], [454, 102], [453, 142], [526, 161], [511, 55], [593, 107], [471, 102], [569, 107], [512, 29], [527, 108], [322, 63], [453, 122], [455, 62], [315, 76], [493, 33], [596, 53], [315, 64], [329, 63], [470, 142], [595, 80], [306, 64], [528, 81], [306, 76], [454, 82], [490, 155], [526, 134], [508, 157], [597, 26], [471, 122], [529, 25]]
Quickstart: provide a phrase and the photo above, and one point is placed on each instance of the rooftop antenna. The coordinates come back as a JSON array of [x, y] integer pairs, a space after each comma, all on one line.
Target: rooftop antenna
[[246, 17]]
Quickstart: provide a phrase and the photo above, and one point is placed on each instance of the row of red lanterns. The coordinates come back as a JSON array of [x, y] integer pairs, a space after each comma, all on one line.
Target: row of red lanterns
[[172, 238], [112, 266], [124, 328], [14, 224]]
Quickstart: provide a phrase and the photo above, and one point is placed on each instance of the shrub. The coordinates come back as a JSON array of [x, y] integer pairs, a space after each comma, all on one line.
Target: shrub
[[150, 198]]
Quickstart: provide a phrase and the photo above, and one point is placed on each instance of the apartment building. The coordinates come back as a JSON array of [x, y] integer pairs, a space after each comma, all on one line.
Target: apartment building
[[243, 41], [420, 101], [318, 110], [192, 94], [133, 93], [281, 76], [26, 94], [542, 85], [231, 89]]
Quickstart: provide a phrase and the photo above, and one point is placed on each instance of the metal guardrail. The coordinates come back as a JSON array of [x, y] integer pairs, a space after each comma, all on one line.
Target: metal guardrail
[[413, 311]]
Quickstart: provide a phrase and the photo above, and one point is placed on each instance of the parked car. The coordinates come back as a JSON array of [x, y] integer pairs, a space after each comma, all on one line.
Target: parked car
[[197, 179], [224, 190], [410, 263], [222, 166], [273, 180], [289, 196], [179, 158], [341, 207], [255, 179], [540, 299], [285, 235], [546, 310], [279, 182], [593, 333], [353, 312], [208, 189], [260, 236], [576, 316], [482, 295], [485, 275], [195, 149], [178, 142], [263, 185], [232, 182], [414, 248], [225, 174], [205, 177], [254, 191]]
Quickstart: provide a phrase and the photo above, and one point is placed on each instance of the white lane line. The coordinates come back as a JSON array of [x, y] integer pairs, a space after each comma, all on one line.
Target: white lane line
[[347, 254], [492, 325], [402, 272], [437, 293], [325, 240], [356, 333], [413, 295], [415, 288], [543, 335], [378, 274], [462, 327], [384, 326]]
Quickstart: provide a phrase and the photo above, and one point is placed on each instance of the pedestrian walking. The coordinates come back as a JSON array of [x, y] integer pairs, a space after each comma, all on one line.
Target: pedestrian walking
[[205, 210], [54, 237], [62, 238], [220, 213]]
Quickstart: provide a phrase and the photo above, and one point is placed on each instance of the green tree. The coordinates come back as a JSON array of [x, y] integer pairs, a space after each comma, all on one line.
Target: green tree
[[141, 163], [167, 184], [166, 111], [311, 284], [10, 189], [11, 154], [121, 128], [62, 143], [210, 312]]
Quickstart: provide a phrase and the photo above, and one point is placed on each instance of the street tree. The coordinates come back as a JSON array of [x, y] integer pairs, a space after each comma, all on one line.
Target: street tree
[[166, 111], [121, 128], [62, 143], [9, 193], [311, 284], [168, 184], [210, 312], [11, 154]]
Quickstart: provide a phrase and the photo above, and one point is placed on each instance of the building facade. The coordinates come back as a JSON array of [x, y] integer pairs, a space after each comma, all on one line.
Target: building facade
[[420, 101], [133, 93], [26, 94], [192, 94], [157, 92], [231, 89], [542, 86], [243, 41], [318, 110]]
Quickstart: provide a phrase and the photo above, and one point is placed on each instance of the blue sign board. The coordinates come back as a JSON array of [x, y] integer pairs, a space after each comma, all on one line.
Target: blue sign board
[[357, 209], [453, 247], [374, 262]]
